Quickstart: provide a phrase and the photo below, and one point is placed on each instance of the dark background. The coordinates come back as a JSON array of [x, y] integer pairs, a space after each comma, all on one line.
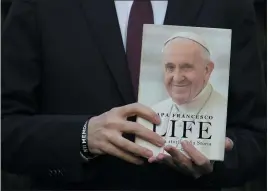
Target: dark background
[[11, 181]]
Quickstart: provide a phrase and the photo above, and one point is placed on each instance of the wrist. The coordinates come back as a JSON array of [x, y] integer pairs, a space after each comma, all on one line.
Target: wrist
[[84, 150]]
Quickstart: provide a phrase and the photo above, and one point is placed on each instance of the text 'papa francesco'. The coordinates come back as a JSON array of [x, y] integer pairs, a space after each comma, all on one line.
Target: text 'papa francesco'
[[185, 116]]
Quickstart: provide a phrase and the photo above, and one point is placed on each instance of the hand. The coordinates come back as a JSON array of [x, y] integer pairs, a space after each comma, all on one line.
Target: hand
[[105, 133], [195, 165]]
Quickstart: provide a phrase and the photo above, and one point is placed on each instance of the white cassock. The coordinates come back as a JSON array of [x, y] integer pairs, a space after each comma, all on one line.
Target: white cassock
[[196, 121]]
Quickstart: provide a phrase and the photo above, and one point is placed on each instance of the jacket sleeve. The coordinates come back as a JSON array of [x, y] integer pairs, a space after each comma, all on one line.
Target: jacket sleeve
[[44, 146], [246, 121]]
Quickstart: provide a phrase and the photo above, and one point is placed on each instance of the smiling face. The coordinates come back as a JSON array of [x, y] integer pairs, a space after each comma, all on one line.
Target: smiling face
[[187, 69]]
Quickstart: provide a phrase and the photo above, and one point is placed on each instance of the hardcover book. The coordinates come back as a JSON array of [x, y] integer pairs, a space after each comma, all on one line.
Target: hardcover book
[[184, 78]]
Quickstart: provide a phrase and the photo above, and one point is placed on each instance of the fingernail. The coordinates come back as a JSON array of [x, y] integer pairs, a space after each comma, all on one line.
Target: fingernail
[[149, 153], [160, 157], [230, 141], [168, 147], [157, 119], [184, 143], [161, 142], [151, 160]]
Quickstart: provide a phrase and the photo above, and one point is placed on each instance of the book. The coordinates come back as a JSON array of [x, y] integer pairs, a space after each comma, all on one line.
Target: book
[[184, 78]]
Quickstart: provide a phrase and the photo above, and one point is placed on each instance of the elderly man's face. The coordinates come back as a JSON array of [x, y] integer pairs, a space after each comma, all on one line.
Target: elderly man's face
[[186, 70]]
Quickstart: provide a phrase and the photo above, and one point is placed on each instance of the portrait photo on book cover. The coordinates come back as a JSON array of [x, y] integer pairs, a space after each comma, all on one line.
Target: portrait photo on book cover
[[184, 78]]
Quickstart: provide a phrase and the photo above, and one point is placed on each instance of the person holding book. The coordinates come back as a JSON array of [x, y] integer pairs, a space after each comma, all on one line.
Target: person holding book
[[69, 87]]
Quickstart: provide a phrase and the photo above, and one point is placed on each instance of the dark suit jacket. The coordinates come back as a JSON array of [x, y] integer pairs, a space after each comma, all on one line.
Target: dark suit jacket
[[63, 61]]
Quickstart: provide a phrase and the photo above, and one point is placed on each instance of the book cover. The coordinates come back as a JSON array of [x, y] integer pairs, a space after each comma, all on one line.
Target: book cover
[[184, 78]]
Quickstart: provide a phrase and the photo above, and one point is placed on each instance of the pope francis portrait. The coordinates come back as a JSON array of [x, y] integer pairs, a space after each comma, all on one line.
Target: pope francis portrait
[[187, 68]]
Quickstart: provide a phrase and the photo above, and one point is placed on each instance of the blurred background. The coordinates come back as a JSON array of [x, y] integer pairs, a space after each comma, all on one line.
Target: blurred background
[[13, 182]]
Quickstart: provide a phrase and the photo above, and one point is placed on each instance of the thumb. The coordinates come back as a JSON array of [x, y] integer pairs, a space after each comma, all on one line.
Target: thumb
[[229, 144]]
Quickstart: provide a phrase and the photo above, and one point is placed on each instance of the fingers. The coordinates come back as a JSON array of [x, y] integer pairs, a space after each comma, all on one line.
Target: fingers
[[135, 128], [179, 158], [159, 158], [131, 147], [142, 132], [182, 163], [141, 111], [152, 159], [113, 150], [228, 144], [165, 159], [197, 157]]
